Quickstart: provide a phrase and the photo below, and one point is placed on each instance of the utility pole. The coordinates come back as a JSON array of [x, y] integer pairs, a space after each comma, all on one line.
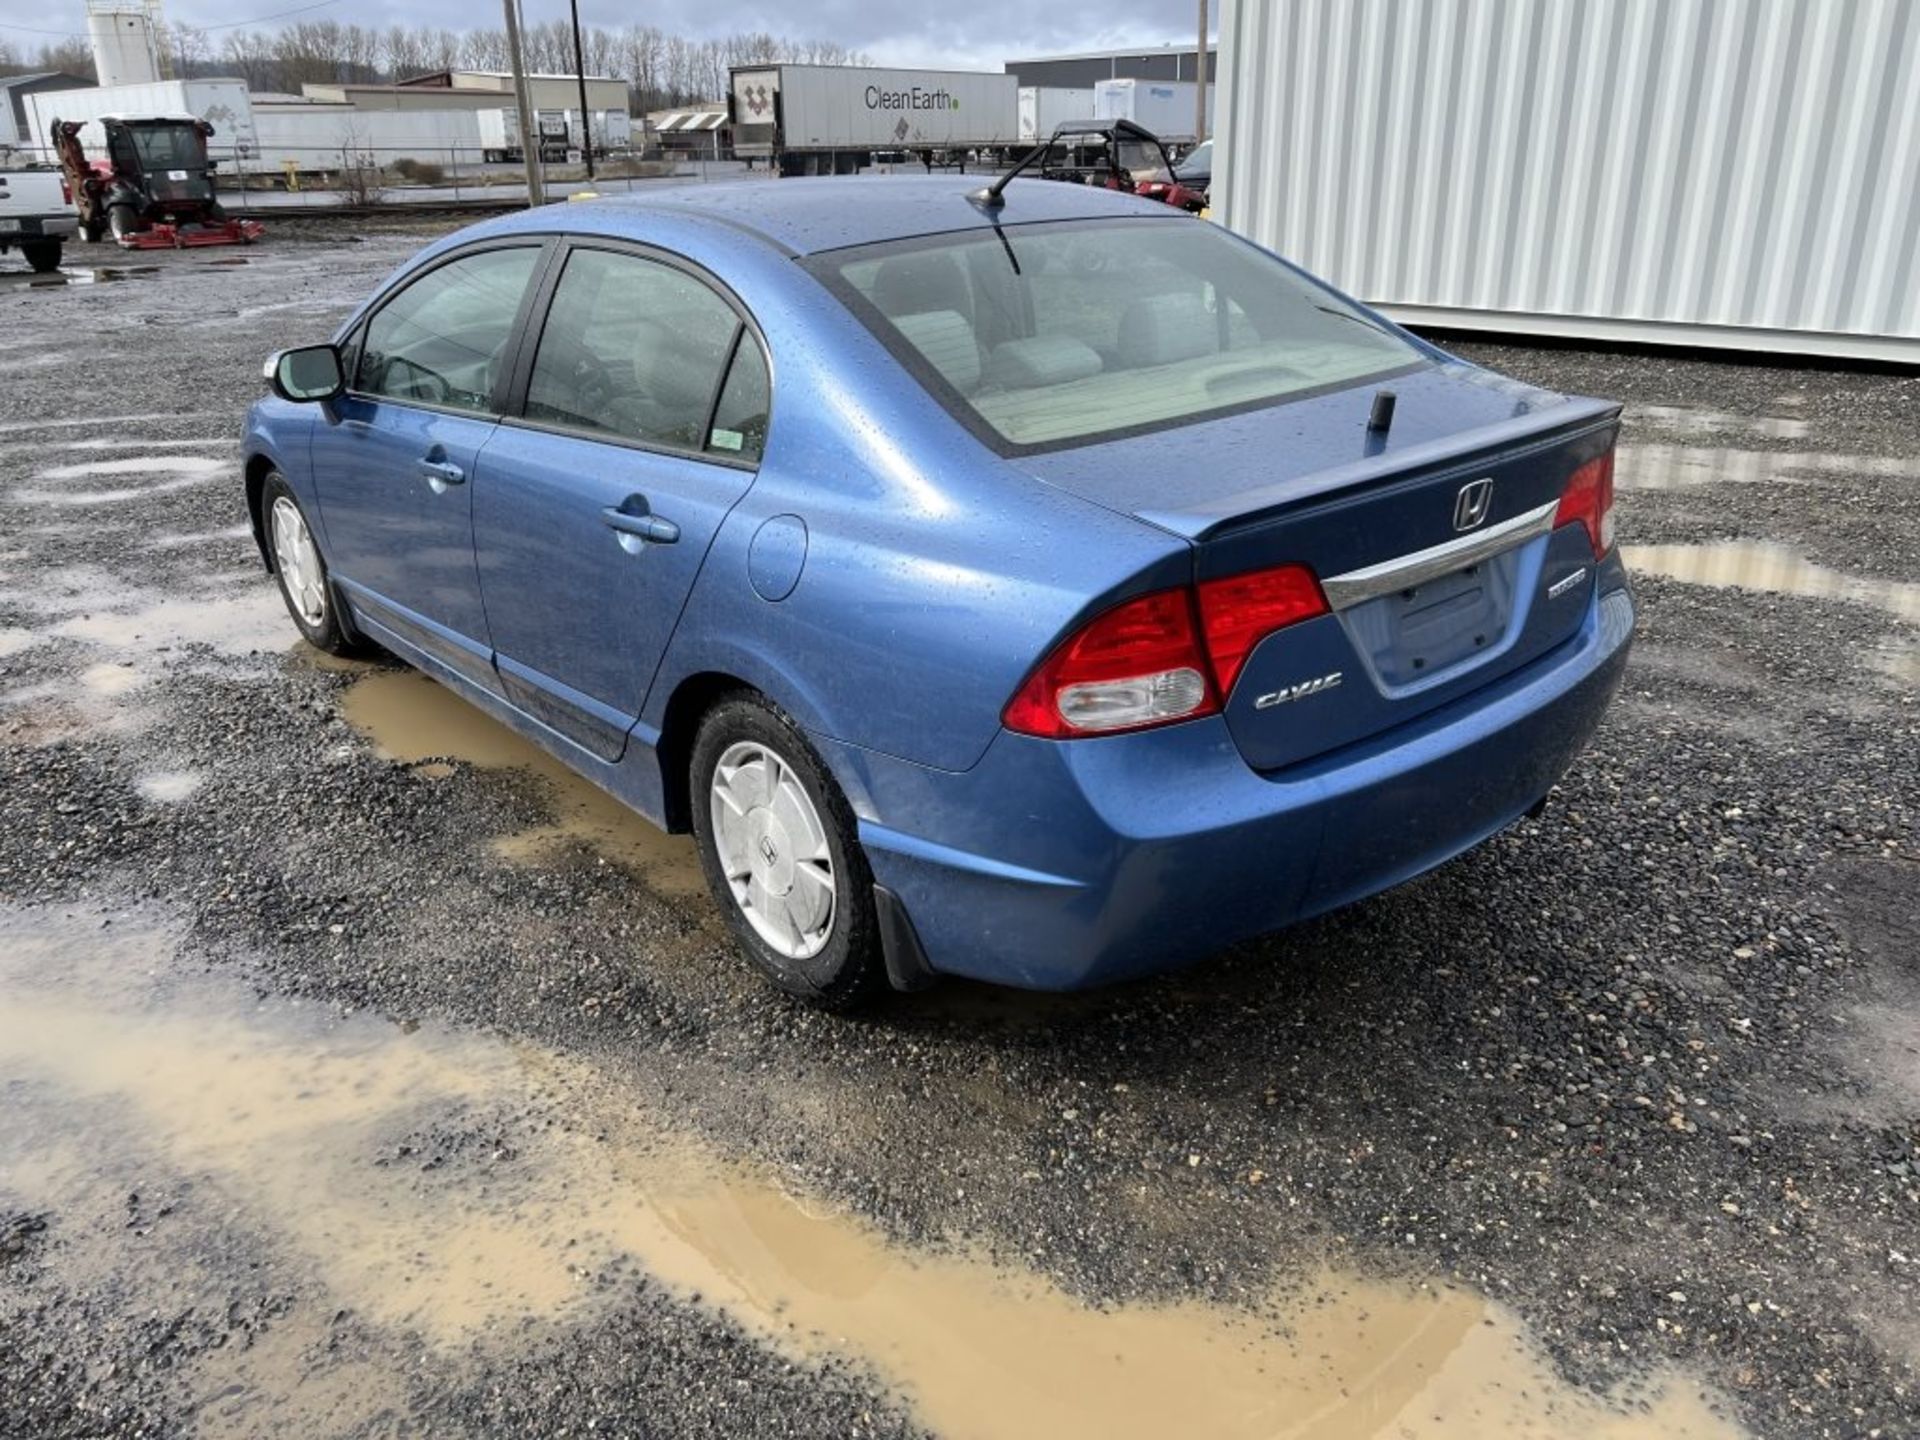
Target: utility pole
[[580, 74], [529, 138], [1200, 81]]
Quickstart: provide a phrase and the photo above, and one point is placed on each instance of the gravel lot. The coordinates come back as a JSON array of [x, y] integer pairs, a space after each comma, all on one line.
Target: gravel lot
[[1644, 1073]]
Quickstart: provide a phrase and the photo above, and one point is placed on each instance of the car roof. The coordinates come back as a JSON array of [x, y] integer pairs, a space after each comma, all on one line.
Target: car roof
[[805, 215]]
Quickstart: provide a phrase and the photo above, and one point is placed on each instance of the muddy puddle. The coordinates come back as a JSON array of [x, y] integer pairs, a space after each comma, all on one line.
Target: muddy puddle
[[1680, 467], [1690, 420], [417, 721], [89, 482], [169, 787], [110, 423], [68, 275], [1762, 565], [239, 622], [461, 1192]]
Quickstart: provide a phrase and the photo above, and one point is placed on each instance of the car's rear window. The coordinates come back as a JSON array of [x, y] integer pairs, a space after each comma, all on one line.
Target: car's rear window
[[1046, 335]]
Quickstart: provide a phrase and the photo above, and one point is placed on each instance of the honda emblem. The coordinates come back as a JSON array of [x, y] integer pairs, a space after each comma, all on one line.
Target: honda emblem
[[1470, 505]]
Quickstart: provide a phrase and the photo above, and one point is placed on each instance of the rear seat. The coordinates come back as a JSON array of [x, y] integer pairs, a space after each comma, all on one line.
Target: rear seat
[[1164, 330]]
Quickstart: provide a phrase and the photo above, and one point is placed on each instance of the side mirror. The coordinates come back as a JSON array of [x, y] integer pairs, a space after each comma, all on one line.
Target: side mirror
[[307, 374]]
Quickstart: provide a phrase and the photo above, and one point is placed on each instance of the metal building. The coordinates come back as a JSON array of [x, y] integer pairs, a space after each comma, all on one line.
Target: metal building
[[1081, 69], [1732, 173]]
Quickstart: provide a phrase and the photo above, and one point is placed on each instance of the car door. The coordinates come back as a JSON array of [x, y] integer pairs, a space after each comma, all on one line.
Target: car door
[[396, 459], [643, 410]]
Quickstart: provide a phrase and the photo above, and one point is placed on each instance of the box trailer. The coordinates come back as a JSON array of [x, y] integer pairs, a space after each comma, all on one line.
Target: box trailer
[[313, 137], [825, 119], [224, 104], [1044, 106], [612, 131], [1163, 106], [1689, 173], [500, 134]]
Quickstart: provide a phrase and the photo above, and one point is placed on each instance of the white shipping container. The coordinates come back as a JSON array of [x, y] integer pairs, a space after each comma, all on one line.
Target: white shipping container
[[224, 104], [858, 107], [1163, 106], [1695, 172], [1044, 106]]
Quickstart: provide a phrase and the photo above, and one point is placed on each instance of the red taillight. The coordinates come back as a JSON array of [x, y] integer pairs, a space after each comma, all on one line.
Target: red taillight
[[1137, 665], [1151, 662], [1588, 498], [66, 191], [1240, 611]]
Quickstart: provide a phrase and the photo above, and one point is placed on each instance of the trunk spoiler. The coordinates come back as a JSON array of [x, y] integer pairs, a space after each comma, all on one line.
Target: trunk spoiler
[[1557, 422]]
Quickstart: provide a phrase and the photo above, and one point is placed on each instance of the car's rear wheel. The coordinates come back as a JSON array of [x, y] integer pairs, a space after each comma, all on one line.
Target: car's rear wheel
[[781, 855], [301, 571], [42, 255]]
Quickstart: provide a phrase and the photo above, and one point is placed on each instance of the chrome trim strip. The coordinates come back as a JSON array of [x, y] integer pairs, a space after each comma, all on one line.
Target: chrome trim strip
[[1404, 572]]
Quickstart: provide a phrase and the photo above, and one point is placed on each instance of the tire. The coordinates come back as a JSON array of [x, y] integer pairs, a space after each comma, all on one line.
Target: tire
[[42, 255], [122, 221], [301, 570], [750, 748]]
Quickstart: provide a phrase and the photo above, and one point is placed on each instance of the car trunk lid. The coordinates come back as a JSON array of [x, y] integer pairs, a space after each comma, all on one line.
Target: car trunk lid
[[1435, 545]]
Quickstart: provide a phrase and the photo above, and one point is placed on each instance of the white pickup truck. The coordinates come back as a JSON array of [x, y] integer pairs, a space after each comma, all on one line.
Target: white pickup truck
[[36, 216]]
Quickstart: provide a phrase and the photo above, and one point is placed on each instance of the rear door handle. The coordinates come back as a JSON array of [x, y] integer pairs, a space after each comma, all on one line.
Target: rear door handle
[[442, 473], [644, 526]]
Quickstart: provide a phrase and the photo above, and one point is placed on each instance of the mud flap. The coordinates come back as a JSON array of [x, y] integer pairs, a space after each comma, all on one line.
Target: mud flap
[[906, 961]]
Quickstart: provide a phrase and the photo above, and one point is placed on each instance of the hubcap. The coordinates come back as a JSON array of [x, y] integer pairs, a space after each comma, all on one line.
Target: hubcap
[[298, 562], [773, 849]]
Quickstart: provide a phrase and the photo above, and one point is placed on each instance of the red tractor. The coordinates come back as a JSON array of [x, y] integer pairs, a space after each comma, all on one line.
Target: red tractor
[[154, 191], [1118, 155]]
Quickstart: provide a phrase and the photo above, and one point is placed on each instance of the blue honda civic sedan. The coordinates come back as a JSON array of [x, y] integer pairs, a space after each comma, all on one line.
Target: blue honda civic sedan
[[1047, 592]]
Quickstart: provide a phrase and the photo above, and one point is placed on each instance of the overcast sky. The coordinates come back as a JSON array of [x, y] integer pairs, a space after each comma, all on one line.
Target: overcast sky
[[960, 34]]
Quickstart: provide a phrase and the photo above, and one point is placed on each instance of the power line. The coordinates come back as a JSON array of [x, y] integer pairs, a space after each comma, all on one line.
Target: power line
[[223, 25]]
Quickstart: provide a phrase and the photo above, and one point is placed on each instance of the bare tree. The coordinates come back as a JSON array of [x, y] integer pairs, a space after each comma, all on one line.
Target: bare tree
[[72, 55], [661, 70], [191, 48], [403, 49]]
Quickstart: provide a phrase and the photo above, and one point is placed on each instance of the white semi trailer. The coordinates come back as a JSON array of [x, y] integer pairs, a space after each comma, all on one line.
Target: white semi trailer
[[224, 104], [1044, 106], [500, 134], [314, 137], [1163, 106], [834, 119]]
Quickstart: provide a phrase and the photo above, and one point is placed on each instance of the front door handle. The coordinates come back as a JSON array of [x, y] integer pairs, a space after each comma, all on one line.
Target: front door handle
[[642, 525], [442, 473]]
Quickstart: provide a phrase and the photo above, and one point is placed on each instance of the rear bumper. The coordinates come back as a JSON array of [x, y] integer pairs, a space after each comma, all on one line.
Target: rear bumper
[[42, 227], [1055, 866]]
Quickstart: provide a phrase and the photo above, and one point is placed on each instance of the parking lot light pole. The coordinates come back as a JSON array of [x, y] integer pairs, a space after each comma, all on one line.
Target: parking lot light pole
[[580, 74], [1200, 80], [529, 141]]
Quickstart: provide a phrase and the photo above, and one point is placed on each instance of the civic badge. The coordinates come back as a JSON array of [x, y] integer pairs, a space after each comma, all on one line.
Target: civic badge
[[1470, 505]]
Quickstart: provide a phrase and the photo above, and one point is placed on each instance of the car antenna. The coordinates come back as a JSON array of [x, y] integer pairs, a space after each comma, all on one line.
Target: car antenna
[[991, 197], [1381, 420]]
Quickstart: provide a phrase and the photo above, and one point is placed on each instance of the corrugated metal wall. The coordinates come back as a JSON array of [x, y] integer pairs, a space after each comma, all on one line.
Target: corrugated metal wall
[[1749, 169]]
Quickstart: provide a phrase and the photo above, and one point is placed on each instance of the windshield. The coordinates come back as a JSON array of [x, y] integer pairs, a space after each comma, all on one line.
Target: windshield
[[1047, 335], [1199, 160], [168, 147]]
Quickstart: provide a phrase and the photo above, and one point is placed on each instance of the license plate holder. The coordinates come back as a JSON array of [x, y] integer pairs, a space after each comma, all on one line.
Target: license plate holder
[[1412, 635]]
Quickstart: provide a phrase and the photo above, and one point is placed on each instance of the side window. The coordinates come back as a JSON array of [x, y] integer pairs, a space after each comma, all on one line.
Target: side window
[[439, 341], [631, 347], [740, 419]]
